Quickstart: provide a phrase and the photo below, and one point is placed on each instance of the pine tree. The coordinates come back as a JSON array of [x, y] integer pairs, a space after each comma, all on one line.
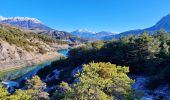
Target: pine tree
[[98, 81]]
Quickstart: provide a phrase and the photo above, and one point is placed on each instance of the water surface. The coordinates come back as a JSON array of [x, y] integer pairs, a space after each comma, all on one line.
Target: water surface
[[13, 78]]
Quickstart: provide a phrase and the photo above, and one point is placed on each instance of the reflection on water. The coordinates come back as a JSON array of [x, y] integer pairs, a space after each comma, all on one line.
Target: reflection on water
[[20, 75], [14, 74], [24, 73]]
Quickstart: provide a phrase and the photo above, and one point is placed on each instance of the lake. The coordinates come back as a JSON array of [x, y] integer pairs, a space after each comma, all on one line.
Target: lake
[[13, 78]]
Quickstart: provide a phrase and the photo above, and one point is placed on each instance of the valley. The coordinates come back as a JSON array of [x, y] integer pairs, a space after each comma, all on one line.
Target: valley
[[20, 49], [41, 63], [13, 79]]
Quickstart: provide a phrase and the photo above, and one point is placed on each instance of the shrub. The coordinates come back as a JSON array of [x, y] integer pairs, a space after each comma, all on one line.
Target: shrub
[[98, 81]]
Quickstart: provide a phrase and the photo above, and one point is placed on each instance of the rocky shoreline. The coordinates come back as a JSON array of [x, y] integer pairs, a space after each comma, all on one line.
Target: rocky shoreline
[[37, 59], [14, 57]]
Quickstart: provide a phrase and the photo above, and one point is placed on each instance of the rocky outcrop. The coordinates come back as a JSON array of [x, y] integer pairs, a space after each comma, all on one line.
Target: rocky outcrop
[[13, 57], [139, 87], [19, 48]]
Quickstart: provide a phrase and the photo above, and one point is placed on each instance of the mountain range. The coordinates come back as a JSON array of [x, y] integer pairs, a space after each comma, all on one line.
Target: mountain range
[[34, 25], [164, 24], [89, 34]]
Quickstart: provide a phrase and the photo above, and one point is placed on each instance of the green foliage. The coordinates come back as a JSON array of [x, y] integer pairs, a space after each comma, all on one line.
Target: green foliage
[[3, 93], [132, 51], [25, 39], [19, 95], [35, 91], [145, 54], [36, 84], [98, 81]]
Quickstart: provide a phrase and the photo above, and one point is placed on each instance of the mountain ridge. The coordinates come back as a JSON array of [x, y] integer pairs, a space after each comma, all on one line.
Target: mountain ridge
[[34, 25], [163, 23], [24, 22], [89, 34]]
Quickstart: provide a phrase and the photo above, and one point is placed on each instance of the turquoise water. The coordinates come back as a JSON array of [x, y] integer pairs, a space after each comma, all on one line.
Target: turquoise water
[[15, 74], [25, 73], [64, 52]]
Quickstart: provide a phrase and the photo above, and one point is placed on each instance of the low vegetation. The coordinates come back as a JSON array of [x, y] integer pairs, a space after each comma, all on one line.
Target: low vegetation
[[34, 91], [25, 39], [144, 54], [97, 81]]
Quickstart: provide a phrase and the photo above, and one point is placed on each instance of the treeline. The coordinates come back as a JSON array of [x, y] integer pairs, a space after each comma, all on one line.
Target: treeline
[[144, 54]]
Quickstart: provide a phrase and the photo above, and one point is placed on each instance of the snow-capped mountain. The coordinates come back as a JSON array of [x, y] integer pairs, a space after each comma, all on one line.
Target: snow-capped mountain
[[89, 34], [36, 26], [85, 31], [24, 22]]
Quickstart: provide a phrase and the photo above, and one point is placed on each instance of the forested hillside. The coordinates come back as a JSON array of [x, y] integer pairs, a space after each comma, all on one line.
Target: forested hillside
[[99, 70], [145, 55], [20, 49]]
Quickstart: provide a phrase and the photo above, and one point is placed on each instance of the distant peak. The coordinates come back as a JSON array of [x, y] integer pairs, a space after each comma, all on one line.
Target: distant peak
[[2, 18], [85, 31], [91, 32], [20, 19], [24, 22]]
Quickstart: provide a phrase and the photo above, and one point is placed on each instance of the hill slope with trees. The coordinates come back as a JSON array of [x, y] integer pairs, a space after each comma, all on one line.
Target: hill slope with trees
[[146, 55], [19, 49]]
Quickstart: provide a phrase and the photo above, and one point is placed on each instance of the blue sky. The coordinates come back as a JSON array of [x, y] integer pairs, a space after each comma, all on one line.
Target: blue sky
[[94, 15]]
